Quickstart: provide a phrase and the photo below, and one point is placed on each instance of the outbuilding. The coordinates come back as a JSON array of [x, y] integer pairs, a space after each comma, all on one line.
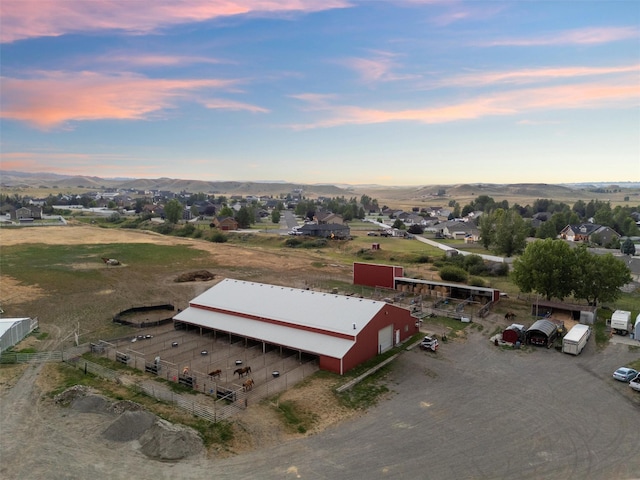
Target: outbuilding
[[542, 332], [514, 333], [342, 331], [12, 330]]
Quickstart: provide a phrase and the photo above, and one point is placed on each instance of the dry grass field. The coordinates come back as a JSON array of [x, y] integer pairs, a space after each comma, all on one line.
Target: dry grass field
[[69, 286]]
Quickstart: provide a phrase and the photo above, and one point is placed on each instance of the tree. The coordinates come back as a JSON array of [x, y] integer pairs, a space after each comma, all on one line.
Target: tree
[[243, 217], [510, 233], [545, 267], [598, 278], [226, 212], [398, 224], [503, 231], [173, 211], [628, 247], [547, 230], [275, 216], [416, 229]]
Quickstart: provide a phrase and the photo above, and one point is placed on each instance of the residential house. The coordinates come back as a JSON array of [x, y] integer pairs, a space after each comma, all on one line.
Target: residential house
[[460, 230], [328, 218], [225, 223], [29, 212], [589, 233]]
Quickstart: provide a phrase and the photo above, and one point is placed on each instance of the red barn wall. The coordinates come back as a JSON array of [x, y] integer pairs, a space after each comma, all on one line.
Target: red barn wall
[[373, 275], [366, 346]]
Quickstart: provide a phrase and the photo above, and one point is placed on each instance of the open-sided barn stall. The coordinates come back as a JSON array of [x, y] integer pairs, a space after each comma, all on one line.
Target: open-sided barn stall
[[341, 331]]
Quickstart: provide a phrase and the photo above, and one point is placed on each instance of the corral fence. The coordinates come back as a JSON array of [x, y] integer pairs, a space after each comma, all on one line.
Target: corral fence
[[217, 402]]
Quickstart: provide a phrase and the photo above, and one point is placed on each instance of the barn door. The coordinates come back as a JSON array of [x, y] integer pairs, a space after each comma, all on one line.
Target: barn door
[[385, 339]]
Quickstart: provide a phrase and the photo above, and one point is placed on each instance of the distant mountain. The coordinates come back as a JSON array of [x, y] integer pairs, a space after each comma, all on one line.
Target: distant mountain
[[407, 195]]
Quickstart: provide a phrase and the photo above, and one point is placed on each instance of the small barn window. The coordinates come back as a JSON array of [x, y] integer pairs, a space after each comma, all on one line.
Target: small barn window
[[406, 328]]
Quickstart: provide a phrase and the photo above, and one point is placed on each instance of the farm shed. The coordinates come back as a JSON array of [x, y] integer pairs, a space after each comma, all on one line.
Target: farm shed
[[387, 276], [564, 311], [514, 333], [542, 332], [12, 330], [342, 331]]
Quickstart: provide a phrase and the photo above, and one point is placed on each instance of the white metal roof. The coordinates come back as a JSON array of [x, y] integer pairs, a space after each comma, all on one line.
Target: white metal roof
[[302, 309], [304, 340], [7, 323]]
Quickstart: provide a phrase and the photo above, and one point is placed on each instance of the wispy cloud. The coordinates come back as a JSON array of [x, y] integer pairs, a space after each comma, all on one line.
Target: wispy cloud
[[59, 97], [529, 75], [622, 93], [584, 36], [22, 19], [151, 60], [224, 104], [380, 67]]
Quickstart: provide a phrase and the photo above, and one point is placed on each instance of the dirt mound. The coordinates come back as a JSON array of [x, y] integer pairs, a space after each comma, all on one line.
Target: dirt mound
[[158, 439], [130, 425], [70, 394], [165, 441], [197, 276]]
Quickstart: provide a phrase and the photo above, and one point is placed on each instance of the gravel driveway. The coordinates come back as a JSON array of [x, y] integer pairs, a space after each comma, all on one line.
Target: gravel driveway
[[471, 411]]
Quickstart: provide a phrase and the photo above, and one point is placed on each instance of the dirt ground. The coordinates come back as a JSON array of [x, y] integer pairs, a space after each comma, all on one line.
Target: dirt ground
[[23, 389]]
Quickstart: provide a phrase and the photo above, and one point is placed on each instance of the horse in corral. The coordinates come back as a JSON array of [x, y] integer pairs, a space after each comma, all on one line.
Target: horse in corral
[[215, 373], [242, 371], [248, 384]]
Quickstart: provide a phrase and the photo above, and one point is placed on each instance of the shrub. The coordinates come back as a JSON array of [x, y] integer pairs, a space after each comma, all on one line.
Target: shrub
[[453, 274], [422, 258], [293, 242], [477, 282], [219, 237], [186, 231]]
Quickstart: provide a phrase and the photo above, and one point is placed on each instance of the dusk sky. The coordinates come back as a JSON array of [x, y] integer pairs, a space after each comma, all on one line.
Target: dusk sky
[[398, 92]]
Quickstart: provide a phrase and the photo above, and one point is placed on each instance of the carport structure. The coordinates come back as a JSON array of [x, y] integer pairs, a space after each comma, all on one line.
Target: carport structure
[[342, 331], [542, 332]]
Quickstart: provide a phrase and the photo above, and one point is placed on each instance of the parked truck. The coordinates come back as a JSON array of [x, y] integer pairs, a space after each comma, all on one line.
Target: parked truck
[[576, 339], [621, 322]]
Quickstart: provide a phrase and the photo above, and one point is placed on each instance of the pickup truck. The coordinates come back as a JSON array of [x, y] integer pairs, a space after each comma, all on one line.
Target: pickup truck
[[429, 343]]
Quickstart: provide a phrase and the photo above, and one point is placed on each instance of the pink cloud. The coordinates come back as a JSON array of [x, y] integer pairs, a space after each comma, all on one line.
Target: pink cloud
[[23, 19], [59, 97], [622, 93], [585, 36], [156, 60], [224, 104], [536, 75]]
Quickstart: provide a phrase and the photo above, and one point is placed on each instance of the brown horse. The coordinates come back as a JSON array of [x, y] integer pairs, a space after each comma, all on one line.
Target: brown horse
[[242, 371], [248, 384], [215, 373]]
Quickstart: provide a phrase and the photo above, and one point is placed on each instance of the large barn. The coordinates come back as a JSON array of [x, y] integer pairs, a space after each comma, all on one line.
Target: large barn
[[342, 331]]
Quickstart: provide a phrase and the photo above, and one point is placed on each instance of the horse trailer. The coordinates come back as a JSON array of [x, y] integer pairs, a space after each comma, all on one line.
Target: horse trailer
[[576, 339]]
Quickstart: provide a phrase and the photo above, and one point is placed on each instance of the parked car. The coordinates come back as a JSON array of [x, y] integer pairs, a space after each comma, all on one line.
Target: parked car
[[429, 343], [635, 383], [625, 374]]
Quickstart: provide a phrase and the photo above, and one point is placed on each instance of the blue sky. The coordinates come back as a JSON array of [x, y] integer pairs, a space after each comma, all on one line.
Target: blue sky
[[403, 92]]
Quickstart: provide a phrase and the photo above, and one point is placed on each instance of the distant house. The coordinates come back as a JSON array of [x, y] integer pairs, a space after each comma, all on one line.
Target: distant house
[[326, 230], [328, 217], [225, 223], [589, 232], [29, 212], [459, 230]]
